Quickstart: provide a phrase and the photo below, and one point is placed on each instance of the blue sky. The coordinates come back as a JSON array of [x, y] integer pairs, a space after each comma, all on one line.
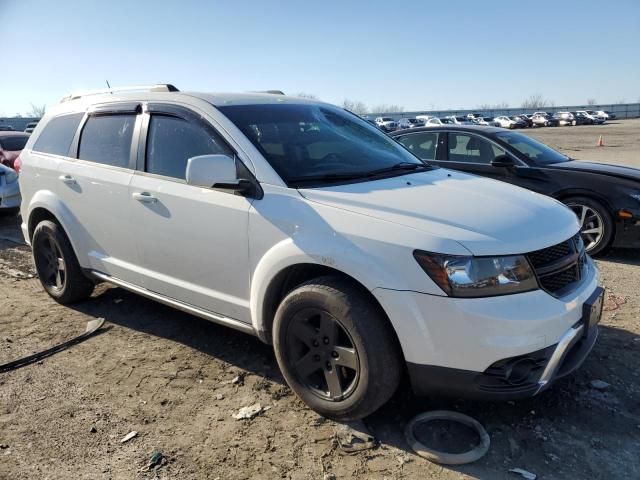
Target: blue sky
[[421, 55]]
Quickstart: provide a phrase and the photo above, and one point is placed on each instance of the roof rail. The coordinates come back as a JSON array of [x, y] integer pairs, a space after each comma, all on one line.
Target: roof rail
[[272, 92], [159, 87]]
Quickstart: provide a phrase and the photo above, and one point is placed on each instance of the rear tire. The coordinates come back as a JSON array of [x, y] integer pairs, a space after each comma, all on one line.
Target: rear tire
[[57, 265], [348, 373]]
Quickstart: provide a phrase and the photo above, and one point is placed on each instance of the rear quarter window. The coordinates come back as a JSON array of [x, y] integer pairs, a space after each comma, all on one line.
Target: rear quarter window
[[57, 134]]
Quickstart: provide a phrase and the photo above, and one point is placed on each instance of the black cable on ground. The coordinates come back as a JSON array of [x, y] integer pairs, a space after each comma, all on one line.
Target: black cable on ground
[[92, 328]]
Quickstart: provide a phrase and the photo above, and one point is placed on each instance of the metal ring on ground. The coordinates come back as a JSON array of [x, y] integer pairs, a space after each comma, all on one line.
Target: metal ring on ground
[[443, 457]]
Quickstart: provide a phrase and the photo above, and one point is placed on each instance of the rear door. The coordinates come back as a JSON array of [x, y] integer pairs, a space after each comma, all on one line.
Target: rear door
[[192, 241], [95, 187]]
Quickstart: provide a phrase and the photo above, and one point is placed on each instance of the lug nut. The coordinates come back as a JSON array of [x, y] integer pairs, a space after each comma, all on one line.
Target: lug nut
[[316, 358], [326, 340], [334, 354], [315, 343]]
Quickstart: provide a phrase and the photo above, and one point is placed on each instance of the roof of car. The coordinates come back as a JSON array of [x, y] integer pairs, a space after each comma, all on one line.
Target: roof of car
[[463, 128]]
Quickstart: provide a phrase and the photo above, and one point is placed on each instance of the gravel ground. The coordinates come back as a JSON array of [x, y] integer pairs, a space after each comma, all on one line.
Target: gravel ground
[[621, 141], [177, 380]]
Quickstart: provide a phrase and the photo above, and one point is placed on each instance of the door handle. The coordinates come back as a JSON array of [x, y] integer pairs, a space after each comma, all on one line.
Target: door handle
[[144, 197], [68, 179]]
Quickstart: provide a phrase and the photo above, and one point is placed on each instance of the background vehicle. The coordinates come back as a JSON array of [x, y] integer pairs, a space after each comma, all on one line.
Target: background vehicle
[[456, 120], [505, 122], [525, 119], [606, 198], [433, 122], [6, 128], [481, 121], [604, 115], [344, 270], [544, 120], [9, 191], [582, 118], [404, 123], [30, 127], [386, 124], [595, 120], [11, 144], [565, 118]]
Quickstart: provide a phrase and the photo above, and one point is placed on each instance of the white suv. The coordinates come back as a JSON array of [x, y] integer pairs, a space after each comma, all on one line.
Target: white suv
[[301, 223]]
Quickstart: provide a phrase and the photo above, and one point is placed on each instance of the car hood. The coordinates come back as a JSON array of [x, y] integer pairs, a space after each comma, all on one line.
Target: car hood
[[619, 171], [485, 216]]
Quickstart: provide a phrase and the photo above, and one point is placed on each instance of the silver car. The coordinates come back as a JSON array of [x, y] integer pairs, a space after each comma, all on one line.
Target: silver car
[[9, 191]]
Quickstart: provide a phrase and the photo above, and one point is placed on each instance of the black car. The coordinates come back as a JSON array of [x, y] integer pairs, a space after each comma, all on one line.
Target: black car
[[582, 119], [524, 118], [606, 198], [520, 123]]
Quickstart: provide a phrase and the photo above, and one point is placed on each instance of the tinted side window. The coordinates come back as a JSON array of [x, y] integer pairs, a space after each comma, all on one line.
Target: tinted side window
[[422, 145], [470, 149], [106, 139], [57, 134], [172, 141]]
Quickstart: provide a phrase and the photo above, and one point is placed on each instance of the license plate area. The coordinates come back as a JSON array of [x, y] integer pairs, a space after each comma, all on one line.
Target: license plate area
[[592, 310]]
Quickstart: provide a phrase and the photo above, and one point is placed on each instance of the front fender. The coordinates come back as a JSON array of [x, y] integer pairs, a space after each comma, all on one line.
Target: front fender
[[297, 251]]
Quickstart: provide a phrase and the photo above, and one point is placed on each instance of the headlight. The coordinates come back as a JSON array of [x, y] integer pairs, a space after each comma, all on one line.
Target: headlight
[[10, 176], [461, 276]]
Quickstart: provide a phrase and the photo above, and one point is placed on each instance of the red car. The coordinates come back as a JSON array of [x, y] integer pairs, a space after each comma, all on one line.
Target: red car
[[11, 144]]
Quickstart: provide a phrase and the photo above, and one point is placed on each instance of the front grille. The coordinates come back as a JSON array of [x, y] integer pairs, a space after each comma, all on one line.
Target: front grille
[[559, 268]]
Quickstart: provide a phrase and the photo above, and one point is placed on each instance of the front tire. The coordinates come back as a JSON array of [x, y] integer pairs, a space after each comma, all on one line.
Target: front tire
[[596, 224], [57, 265], [336, 349]]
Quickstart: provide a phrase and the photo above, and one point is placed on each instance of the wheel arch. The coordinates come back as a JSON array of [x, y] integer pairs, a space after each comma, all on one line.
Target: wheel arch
[[45, 205], [580, 192]]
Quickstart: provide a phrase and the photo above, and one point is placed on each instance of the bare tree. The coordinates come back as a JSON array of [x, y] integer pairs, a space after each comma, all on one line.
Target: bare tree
[[37, 111], [306, 95], [535, 101], [384, 108], [357, 107], [591, 101]]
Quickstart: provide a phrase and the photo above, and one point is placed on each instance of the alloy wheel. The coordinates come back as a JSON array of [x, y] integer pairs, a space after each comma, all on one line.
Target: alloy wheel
[[322, 354], [591, 225], [50, 263]]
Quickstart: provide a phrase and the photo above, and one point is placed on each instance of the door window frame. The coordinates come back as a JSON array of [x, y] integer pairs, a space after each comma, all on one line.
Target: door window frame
[[116, 108]]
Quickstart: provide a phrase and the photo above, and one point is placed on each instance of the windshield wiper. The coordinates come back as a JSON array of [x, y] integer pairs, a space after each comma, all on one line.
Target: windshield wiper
[[402, 166], [328, 177]]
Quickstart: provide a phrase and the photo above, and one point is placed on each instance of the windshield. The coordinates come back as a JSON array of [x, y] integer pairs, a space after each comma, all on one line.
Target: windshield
[[317, 142], [536, 151], [11, 144]]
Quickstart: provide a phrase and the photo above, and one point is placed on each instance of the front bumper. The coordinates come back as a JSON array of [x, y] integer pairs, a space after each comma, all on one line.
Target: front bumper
[[511, 378], [455, 344], [628, 232]]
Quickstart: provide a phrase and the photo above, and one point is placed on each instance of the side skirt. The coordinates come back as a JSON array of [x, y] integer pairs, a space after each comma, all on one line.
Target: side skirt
[[185, 307]]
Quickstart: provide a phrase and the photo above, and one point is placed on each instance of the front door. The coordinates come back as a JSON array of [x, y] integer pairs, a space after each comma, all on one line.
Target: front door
[[192, 241]]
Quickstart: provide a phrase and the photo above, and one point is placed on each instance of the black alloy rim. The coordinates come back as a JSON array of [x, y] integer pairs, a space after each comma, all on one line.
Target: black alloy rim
[[322, 354], [50, 263]]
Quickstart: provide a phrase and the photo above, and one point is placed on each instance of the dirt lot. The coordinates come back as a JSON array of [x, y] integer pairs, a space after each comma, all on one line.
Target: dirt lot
[[621, 141], [169, 376]]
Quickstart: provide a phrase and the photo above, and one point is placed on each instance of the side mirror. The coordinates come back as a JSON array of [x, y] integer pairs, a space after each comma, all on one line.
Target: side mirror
[[503, 161], [216, 171]]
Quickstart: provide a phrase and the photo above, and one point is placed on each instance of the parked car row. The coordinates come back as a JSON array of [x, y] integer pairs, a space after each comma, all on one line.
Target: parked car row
[[28, 129], [524, 120]]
